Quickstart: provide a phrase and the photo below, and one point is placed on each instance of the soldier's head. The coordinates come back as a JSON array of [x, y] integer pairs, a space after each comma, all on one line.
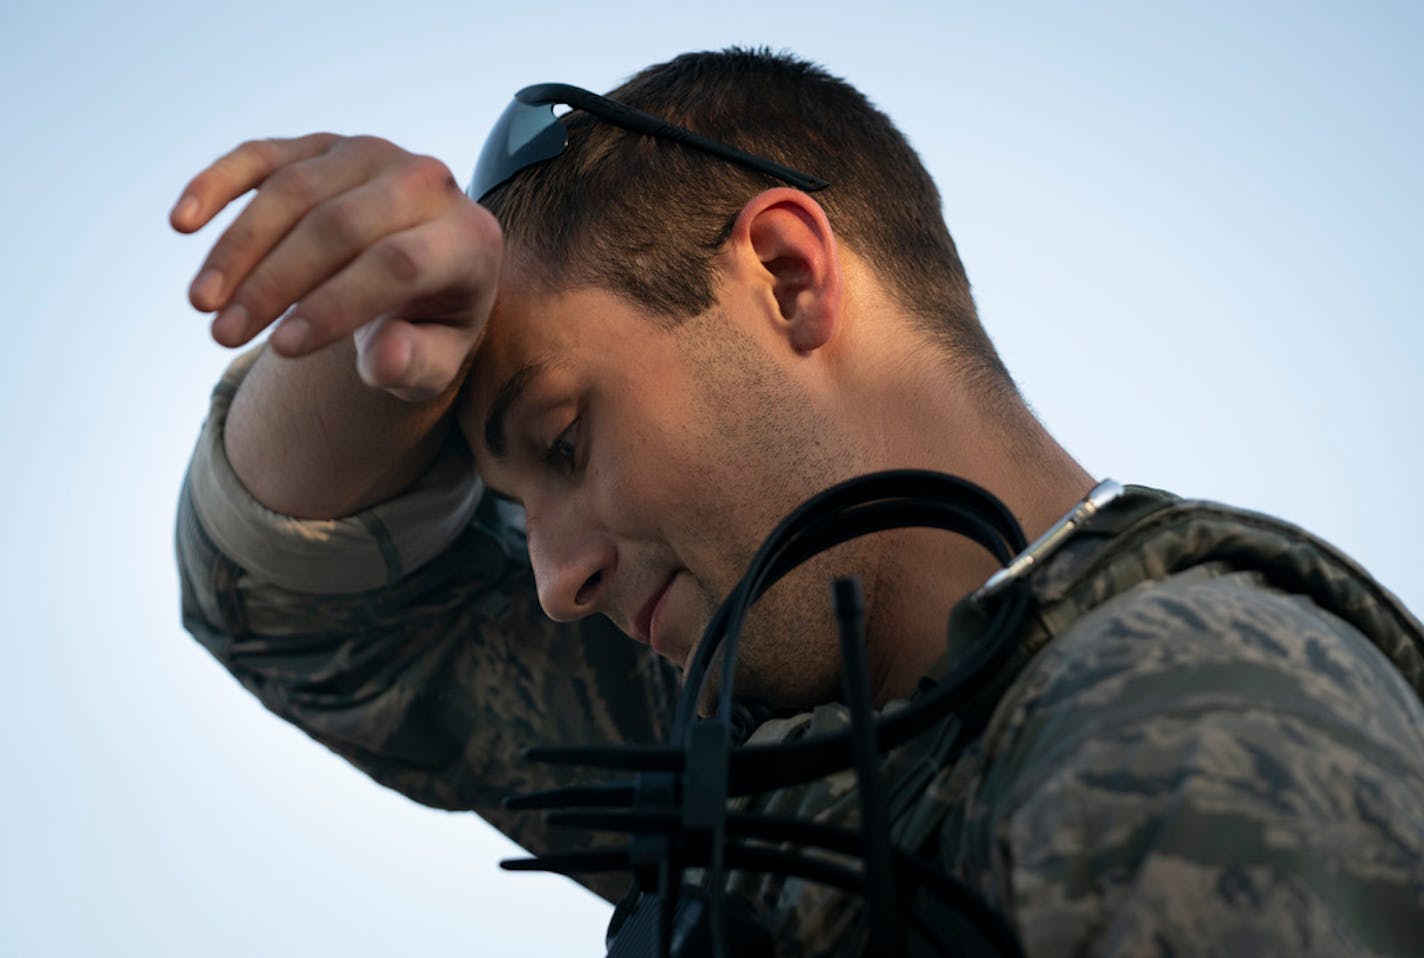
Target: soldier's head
[[684, 348], [644, 216]]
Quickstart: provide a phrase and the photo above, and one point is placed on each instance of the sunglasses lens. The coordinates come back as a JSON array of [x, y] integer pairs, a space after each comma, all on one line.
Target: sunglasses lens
[[524, 135]]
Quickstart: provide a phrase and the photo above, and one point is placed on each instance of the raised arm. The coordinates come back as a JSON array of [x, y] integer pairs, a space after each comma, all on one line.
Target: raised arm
[[335, 550]]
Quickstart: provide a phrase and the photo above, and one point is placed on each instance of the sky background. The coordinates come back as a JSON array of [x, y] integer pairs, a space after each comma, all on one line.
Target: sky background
[[1193, 230]]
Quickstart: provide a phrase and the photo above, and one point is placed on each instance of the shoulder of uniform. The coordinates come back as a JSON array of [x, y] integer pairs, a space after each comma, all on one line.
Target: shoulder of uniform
[[1199, 643]]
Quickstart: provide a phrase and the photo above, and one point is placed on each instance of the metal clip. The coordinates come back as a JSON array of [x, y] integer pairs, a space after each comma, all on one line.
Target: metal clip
[[1050, 542]]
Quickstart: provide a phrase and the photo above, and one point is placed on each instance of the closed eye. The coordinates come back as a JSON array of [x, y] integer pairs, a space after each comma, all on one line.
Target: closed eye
[[562, 454]]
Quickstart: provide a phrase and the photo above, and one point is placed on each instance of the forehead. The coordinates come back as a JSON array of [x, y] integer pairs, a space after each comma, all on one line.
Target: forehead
[[528, 326], [573, 336]]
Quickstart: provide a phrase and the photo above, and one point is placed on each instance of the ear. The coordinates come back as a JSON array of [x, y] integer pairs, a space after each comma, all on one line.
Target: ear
[[782, 245]]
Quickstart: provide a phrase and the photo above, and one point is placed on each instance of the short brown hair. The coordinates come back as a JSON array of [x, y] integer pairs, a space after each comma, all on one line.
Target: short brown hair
[[644, 217]]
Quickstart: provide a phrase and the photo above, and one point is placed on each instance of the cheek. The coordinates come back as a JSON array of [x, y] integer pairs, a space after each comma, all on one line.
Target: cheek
[[683, 493]]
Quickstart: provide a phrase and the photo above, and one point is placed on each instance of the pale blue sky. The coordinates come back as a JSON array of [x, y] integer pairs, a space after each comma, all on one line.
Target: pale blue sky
[[1194, 231]]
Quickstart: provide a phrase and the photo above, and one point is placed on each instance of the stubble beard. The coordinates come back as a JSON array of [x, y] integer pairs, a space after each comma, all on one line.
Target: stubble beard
[[788, 655]]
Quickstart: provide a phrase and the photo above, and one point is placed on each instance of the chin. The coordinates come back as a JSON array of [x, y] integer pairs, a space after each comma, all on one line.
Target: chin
[[788, 657]]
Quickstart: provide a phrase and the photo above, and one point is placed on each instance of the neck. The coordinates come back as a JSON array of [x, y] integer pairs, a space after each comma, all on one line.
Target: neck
[[918, 411]]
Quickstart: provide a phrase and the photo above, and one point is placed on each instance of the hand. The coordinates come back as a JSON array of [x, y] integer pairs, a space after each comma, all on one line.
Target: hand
[[347, 235]]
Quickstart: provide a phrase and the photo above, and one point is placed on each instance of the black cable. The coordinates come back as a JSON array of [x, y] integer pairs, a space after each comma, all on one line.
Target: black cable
[[929, 487], [809, 533], [995, 528], [685, 822], [887, 936], [829, 531], [585, 796], [777, 861], [754, 768]]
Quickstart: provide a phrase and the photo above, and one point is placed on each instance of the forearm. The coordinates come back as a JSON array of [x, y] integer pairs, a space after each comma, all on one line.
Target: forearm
[[408, 638], [309, 439]]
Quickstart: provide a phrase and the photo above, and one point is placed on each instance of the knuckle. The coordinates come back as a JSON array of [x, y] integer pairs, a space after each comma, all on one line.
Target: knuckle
[[428, 171], [326, 309], [418, 177], [339, 222], [401, 258], [262, 294], [324, 141], [296, 182], [263, 150], [235, 245], [366, 143]]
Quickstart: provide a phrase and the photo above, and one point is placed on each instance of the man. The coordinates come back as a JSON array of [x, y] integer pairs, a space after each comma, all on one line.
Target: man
[[1207, 740]]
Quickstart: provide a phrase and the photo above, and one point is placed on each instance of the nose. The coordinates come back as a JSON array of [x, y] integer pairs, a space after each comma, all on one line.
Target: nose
[[573, 562]]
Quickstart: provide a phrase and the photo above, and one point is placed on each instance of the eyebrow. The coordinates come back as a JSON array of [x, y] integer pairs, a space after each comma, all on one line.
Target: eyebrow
[[504, 400]]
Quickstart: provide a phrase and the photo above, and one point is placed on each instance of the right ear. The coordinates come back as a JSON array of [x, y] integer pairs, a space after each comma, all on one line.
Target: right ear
[[783, 252]]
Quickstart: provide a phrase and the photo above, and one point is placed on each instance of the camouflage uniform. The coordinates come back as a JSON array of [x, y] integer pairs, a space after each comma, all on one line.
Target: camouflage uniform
[[1210, 740]]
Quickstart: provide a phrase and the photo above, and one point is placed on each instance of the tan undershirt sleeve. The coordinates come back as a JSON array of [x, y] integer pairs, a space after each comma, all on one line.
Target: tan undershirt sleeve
[[327, 556]]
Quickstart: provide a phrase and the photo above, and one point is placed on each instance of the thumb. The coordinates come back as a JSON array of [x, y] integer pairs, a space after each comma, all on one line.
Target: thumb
[[413, 361]]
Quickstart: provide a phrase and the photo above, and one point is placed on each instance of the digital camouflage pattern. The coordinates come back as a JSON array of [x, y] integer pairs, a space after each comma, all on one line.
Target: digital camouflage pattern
[[1210, 741], [433, 683], [1202, 751]]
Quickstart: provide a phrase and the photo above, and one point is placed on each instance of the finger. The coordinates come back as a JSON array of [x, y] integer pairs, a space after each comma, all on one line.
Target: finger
[[327, 238], [412, 361], [238, 171], [443, 271], [281, 202]]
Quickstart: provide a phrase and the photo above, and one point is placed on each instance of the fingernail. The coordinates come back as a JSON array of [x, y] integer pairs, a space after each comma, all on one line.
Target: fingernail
[[207, 288], [186, 209], [230, 326], [292, 336]]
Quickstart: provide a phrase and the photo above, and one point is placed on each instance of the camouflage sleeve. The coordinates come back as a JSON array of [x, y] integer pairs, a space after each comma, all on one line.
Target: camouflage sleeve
[[1207, 766], [408, 639]]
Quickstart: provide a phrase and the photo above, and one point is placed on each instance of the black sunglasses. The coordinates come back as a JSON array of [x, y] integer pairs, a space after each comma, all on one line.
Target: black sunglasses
[[528, 133]]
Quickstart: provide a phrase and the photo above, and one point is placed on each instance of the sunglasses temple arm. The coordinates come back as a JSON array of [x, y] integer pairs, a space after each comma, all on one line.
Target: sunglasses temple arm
[[640, 122]]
